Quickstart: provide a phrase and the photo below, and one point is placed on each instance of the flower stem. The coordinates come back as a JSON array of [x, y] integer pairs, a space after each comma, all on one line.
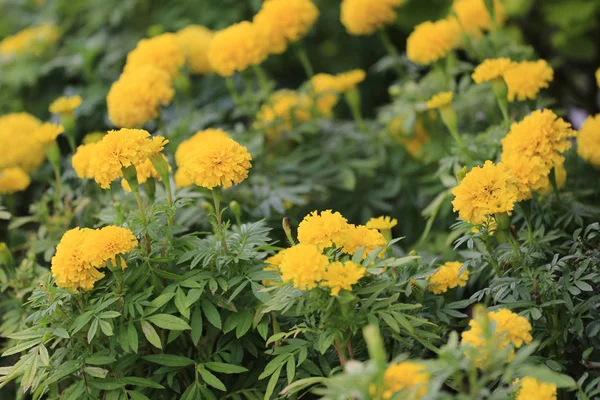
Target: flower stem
[[233, 91], [391, 49], [216, 192], [341, 351], [303, 57], [263, 81]]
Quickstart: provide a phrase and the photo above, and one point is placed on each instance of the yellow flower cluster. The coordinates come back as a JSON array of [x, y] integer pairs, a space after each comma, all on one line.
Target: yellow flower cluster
[[325, 88], [65, 105], [526, 79], [281, 22], [493, 68], [431, 41], [340, 276], [212, 159], [407, 377], [414, 143], [533, 148], [383, 223], [144, 171], [484, 191], [348, 80], [163, 52], [357, 236], [474, 16], [365, 17], [195, 41], [120, 149], [509, 329], [236, 48], [448, 276], [532, 389], [439, 100], [588, 140], [13, 179], [81, 253], [30, 41], [284, 108]]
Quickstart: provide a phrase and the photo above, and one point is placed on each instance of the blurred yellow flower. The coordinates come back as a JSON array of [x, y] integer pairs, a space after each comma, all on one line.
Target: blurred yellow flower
[[47, 133], [382, 223], [526, 79], [303, 265], [492, 68], [195, 41], [588, 140], [407, 377], [439, 100], [348, 80], [342, 276], [163, 52], [81, 160], [322, 230], [413, 143], [532, 389], [474, 16], [30, 41], [324, 89], [20, 148], [431, 41], [236, 48], [65, 105], [13, 179], [281, 111], [447, 277], [365, 17]]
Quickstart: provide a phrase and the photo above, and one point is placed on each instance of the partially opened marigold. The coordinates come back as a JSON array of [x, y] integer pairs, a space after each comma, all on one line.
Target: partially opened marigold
[[365, 17], [408, 378], [439, 100], [526, 79], [163, 52], [65, 105], [588, 140], [20, 147], [30, 41], [492, 68], [236, 48], [47, 133], [324, 90], [195, 41], [13, 179], [474, 16], [431, 41], [413, 143], [342, 276], [281, 111], [382, 223], [532, 389], [322, 230], [348, 80], [448, 276], [303, 265]]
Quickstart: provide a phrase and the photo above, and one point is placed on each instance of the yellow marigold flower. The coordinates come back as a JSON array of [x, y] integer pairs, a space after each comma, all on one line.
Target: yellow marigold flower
[[195, 41], [342, 276], [13, 179], [431, 41], [357, 236], [215, 160], [532, 389], [144, 171], [19, 146], [588, 140], [533, 147], [324, 89], [598, 77], [509, 329], [474, 17], [414, 143], [81, 160], [492, 68], [365, 17], [47, 133], [106, 244], [324, 230], [439, 100], [236, 48], [447, 277], [198, 137], [273, 263], [407, 377], [484, 191], [162, 51], [284, 108], [30, 41], [137, 96], [285, 21], [65, 105], [382, 223], [120, 149], [347, 81], [304, 266], [526, 79]]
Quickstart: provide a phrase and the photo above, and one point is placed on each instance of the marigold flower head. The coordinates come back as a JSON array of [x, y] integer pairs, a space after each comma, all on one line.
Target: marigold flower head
[[120, 149], [20, 148], [144, 171], [413, 143], [448, 276], [47, 133], [284, 108], [342, 276], [197, 139], [304, 265], [492, 68], [214, 160], [348, 80], [13, 179], [526, 79], [236, 48], [484, 191], [163, 52], [30, 41], [281, 22], [588, 140], [474, 16], [365, 17], [533, 147], [137, 96], [532, 389], [408, 377], [195, 41], [106, 244], [383, 223], [324, 89], [65, 105], [440, 100], [357, 236], [273, 263], [81, 160], [431, 41], [322, 230]]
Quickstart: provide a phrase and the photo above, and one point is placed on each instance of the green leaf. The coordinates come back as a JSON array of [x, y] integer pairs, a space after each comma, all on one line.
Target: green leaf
[[92, 331], [244, 324], [225, 368], [169, 322], [545, 374], [272, 383], [109, 315], [169, 360], [181, 304], [162, 300], [191, 393], [196, 323], [106, 327], [210, 379], [150, 334], [100, 360], [141, 382], [20, 347], [96, 372], [132, 337], [134, 395], [212, 315]]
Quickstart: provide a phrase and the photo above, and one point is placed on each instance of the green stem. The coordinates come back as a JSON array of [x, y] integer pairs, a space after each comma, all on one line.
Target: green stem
[[138, 198], [392, 51], [303, 57], [58, 188], [216, 192], [263, 81], [554, 183], [233, 91]]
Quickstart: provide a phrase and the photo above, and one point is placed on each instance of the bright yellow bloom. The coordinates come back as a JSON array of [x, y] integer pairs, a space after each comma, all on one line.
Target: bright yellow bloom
[[365, 17], [236, 48], [181, 179], [20, 148], [162, 51], [414, 143], [285, 21], [532, 389], [492, 68], [324, 89], [447, 277], [120, 149], [484, 191], [137, 96], [284, 108], [214, 160], [431, 41], [65, 105], [273, 263], [408, 377], [13, 179], [81, 160], [527, 78], [47, 133], [106, 244], [357, 236], [195, 41], [588, 140], [348, 80], [474, 17], [342, 276], [324, 230], [30, 41], [304, 266], [439, 100], [533, 147], [144, 171], [383, 223]]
